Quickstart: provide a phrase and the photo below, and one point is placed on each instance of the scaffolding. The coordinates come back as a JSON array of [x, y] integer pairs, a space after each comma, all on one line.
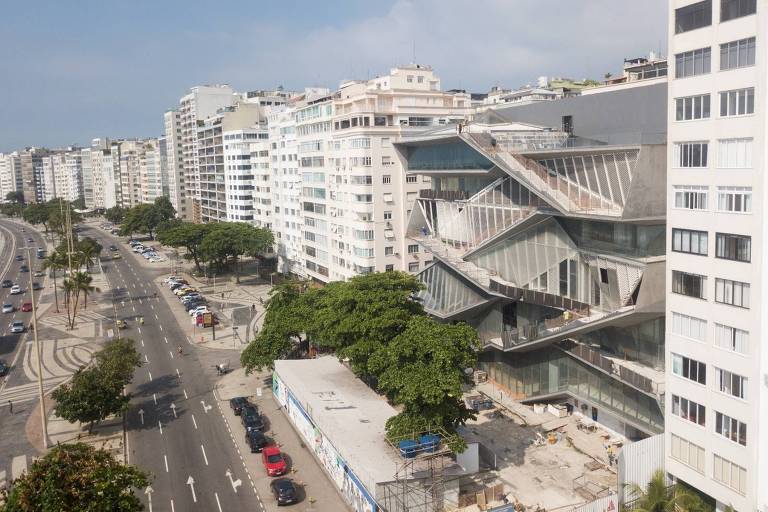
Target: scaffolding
[[419, 484]]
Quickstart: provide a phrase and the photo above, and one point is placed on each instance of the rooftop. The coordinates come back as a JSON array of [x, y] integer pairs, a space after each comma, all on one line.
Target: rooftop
[[348, 412]]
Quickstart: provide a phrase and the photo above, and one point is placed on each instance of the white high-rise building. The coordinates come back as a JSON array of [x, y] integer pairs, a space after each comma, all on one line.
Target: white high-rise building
[[86, 173], [717, 362], [10, 174], [174, 159], [150, 171], [200, 103]]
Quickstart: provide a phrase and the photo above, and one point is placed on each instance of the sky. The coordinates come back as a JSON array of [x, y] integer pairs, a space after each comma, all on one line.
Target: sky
[[74, 70]]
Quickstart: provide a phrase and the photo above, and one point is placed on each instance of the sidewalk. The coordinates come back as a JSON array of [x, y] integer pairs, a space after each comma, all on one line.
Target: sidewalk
[[320, 494]]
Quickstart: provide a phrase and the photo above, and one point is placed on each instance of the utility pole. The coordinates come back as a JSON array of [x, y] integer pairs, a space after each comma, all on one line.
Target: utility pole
[[43, 416]]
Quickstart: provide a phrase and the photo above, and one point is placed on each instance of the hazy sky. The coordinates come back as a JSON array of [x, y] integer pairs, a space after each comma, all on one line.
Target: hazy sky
[[77, 69]]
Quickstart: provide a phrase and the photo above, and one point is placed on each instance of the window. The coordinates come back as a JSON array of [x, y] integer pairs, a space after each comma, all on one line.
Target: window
[[731, 338], [732, 9], [730, 292], [692, 107], [737, 54], [389, 268], [691, 197], [411, 179], [690, 154], [693, 16], [386, 179], [692, 285], [689, 410], [604, 275], [731, 383], [688, 453], [389, 251], [413, 248], [388, 215], [413, 267], [567, 124], [733, 247], [692, 242], [689, 327], [737, 102], [734, 199], [689, 369], [409, 79], [695, 62], [731, 428], [734, 153], [729, 474]]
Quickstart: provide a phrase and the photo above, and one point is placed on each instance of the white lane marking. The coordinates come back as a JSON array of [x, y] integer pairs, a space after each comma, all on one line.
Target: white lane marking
[[172, 509], [139, 328], [173, 408], [166, 339], [160, 423], [141, 413], [185, 394], [206, 407], [154, 397], [177, 373], [171, 353], [161, 327], [217, 500], [191, 484], [205, 458], [142, 343], [156, 318], [140, 302], [166, 463], [150, 374], [146, 358], [194, 421]]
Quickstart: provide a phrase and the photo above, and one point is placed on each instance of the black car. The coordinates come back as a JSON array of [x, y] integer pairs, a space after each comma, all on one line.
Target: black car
[[192, 305], [36, 286], [24, 268], [256, 440], [4, 369], [237, 404], [7, 283], [284, 491], [112, 247], [19, 257], [251, 418]]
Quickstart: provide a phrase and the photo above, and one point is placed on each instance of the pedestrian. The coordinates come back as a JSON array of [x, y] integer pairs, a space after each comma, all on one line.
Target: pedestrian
[[10, 407]]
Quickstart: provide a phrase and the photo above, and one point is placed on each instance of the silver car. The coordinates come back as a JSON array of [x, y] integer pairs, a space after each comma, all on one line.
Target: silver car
[[17, 327], [8, 308]]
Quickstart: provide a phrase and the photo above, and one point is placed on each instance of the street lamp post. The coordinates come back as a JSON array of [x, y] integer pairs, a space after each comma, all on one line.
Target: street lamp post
[[43, 417]]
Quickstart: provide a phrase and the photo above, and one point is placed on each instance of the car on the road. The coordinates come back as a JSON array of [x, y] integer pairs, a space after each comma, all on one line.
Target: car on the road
[[7, 283], [39, 273], [256, 440], [23, 268], [8, 308], [116, 256], [16, 290], [251, 418], [37, 286], [237, 404], [19, 257], [17, 327], [30, 240], [4, 368], [113, 247], [284, 491], [26, 307], [273, 461]]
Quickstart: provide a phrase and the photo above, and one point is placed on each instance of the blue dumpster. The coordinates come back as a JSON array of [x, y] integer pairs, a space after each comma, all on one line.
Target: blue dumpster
[[429, 442], [408, 448]]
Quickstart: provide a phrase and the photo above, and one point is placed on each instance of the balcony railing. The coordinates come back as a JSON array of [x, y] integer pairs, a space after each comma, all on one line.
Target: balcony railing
[[579, 309], [448, 195]]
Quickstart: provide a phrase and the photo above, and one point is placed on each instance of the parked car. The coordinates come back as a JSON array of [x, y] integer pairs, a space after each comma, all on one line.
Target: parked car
[[273, 461], [4, 369], [192, 305], [39, 273], [24, 268], [7, 283], [251, 418], [8, 308], [113, 247], [16, 290], [17, 327], [26, 307], [256, 440], [237, 404], [37, 286], [30, 240], [19, 257], [116, 256], [284, 491]]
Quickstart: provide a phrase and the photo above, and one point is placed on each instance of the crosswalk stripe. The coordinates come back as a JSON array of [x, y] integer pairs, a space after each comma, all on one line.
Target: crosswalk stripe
[[18, 466]]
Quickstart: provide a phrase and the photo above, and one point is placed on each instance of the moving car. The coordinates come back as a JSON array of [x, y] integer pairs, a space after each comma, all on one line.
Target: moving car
[[16, 290], [39, 273], [17, 327], [256, 440], [26, 307], [36, 286], [284, 491], [116, 255], [7, 283], [24, 268], [251, 418], [30, 240], [113, 247], [4, 369], [19, 257], [8, 308], [237, 404], [273, 461]]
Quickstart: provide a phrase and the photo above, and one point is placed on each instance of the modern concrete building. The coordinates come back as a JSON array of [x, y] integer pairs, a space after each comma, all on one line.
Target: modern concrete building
[[150, 171], [177, 188], [717, 364], [544, 229]]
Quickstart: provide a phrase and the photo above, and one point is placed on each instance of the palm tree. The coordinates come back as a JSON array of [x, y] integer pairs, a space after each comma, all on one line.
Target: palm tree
[[55, 261], [83, 283], [657, 496]]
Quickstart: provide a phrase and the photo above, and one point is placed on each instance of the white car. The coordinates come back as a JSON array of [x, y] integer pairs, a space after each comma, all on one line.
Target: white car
[[8, 308], [16, 290], [199, 310], [17, 327]]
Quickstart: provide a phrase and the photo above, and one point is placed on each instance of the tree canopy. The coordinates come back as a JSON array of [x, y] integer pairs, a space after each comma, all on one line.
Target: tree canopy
[[187, 235], [226, 241], [115, 215], [146, 218], [15, 196], [79, 478]]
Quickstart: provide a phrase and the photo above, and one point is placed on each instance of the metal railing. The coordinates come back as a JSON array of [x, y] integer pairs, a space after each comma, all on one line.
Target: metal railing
[[448, 195]]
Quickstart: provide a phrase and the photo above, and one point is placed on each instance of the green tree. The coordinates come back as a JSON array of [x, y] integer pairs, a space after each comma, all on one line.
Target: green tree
[[53, 262], [187, 235], [89, 250], [118, 359], [79, 203], [11, 209], [90, 397], [357, 317], [79, 478], [422, 369], [657, 496], [164, 208], [37, 213], [233, 240], [115, 215], [15, 196]]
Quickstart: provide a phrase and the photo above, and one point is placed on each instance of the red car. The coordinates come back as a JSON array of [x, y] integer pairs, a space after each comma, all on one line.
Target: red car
[[26, 307], [273, 461]]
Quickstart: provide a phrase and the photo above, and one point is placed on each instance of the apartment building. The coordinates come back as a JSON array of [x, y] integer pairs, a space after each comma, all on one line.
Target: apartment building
[[150, 180], [174, 160], [544, 227], [32, 174], [246, 174], [86, 173], [129, 162], [200, 103], [10, 174], [717, 364]]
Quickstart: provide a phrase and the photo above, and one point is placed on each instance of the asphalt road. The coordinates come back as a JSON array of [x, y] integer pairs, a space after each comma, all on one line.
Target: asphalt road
[[174, 427]]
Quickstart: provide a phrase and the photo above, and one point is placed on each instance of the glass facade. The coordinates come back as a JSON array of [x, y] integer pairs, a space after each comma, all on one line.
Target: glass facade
[[643, 342], [454, 155], [618, 238], [552, 371]]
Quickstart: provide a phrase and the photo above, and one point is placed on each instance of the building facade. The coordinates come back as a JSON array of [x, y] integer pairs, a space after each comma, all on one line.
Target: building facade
[[174, 159], [10, 174], [717, 364]]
